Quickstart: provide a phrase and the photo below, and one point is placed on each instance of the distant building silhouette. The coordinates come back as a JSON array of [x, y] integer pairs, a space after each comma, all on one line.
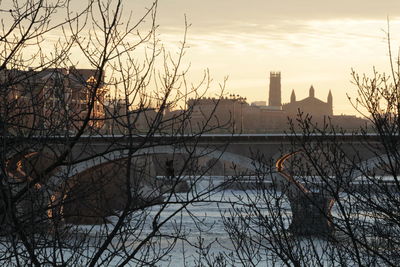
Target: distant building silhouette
[[310, 105], [330, 99], [275, 100], [236, 115], [54, 97], [293, 97]]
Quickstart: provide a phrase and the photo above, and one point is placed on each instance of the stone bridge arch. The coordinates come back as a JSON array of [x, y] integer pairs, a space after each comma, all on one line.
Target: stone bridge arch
[[367, 165], [53, 185], [69, 171], [312, 209], [56, 184]]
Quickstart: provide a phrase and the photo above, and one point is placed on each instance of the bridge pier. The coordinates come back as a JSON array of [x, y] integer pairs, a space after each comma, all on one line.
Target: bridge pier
[[311, 214]]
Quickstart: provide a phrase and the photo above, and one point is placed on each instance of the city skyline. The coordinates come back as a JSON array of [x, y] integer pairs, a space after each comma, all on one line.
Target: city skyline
[[311, 44]]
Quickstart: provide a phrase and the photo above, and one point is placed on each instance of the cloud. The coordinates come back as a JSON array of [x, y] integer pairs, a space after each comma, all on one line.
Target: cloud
[[310, 41], [210, 12], [283, 35]]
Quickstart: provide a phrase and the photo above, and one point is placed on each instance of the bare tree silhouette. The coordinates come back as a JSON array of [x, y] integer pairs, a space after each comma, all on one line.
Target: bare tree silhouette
[[82, 146], [335, 197]]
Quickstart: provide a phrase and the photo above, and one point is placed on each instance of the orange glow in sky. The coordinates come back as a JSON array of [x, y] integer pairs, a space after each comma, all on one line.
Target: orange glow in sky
[[310, 42]]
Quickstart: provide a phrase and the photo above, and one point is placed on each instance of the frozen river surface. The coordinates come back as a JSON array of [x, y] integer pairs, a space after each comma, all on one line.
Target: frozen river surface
[[200, 224], [199, 230]]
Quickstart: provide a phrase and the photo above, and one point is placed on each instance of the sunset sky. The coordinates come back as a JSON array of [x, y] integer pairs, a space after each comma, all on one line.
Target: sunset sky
[[311, 42]]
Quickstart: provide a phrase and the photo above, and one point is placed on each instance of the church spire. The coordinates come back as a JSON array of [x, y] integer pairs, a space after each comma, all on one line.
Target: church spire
[[293, 97], [312, 91], [330, 99]]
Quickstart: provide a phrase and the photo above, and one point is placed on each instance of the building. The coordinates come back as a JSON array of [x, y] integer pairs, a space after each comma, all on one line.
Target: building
[[309, 105], [234, 114], [81, 84], [222, 113], [54, 99], [275, 99]]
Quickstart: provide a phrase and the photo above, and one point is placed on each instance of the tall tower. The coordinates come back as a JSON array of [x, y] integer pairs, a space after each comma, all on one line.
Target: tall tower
[[275, 89]]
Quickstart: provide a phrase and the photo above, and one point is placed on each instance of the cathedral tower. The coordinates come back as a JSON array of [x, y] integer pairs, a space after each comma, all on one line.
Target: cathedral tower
[[312, 92], [293, 97], [330, 100], [275, 89]]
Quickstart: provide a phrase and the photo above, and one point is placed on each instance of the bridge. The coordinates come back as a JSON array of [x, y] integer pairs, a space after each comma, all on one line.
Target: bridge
[[232, 154], [241, 149]]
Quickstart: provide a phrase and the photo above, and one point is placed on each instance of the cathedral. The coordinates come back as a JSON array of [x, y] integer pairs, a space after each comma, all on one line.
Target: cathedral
[[261, 117], [310, 104]]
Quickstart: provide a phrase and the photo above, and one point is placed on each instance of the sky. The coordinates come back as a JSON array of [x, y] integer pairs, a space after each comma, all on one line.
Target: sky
[[311, 42]]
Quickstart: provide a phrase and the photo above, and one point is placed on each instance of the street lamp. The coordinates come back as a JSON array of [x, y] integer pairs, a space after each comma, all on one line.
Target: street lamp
[[241, 100], [233, 98]]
